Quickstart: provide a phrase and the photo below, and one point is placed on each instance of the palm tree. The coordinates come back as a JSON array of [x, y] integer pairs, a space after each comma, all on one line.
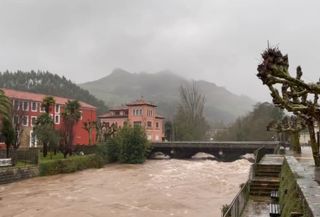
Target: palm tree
[[47, 102], [45, 126], [71, 116], [5, 105]]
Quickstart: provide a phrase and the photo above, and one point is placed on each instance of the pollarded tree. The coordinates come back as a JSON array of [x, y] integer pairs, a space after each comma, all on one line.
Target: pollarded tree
[[291, 93], [292, 126], [189, 121], [71, 115], [89, 126]]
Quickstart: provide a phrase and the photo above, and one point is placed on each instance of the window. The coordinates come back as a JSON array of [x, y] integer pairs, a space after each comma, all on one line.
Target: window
[[25, 121], [33, 120], [57, 108], [137, 123], [81, 115], [157, 124], [25, 106], [149, 124], [137, 112], [34, 106], [157, 138], [33, 140], [149, 137], [57, 119], [117, 113]]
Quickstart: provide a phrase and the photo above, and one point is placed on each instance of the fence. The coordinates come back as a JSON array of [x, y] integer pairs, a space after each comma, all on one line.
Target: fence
[[239, 202], [27, 156]]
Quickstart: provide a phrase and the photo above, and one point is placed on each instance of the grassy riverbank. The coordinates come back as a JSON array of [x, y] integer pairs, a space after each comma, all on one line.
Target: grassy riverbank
[[57, 164]]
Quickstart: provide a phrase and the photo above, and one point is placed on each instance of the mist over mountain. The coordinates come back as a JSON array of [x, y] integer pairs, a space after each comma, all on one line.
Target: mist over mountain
[[162, 88]]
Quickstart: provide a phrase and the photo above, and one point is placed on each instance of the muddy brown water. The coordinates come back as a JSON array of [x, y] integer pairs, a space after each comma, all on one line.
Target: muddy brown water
[[157, 188]]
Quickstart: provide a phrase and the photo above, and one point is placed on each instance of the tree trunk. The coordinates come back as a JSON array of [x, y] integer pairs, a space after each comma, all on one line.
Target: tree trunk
[[45, 149], [313, 143], [295, 142], [90, 136], [8, 147]]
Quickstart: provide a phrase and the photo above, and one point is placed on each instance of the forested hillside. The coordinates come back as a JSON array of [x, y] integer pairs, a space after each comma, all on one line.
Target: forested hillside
[[162, 88], [48, 83], [253, 126]]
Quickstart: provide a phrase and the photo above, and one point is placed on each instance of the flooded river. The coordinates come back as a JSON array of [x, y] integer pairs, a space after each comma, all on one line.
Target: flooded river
[[158, 188]]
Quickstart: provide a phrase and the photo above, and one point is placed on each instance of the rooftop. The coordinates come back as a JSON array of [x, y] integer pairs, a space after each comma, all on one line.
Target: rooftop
[[141, 102], [24, 95]]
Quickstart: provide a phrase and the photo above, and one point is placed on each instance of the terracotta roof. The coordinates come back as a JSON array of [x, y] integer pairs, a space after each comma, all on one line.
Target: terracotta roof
[[141, 102], [118, 108], [110, 115], [39, 97]]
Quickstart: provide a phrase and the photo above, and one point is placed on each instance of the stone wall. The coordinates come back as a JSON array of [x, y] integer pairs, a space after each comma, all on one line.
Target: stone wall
[[12, 174], [298, 191]]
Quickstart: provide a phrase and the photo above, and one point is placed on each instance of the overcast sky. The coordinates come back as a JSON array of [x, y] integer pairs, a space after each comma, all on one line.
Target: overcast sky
[[214, 40]]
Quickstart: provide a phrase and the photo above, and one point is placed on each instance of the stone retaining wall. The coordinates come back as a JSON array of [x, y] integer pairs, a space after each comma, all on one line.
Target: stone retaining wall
[[299, 192], [12, 174]]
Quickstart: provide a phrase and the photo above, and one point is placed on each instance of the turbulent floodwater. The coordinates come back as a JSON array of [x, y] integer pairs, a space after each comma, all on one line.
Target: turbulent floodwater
[[158, 188]]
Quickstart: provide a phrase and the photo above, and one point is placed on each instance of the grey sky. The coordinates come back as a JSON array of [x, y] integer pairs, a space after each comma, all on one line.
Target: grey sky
[[214, 40]]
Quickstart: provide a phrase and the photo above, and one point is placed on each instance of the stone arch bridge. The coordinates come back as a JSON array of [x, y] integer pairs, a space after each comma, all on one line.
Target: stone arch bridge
[[222, 150]]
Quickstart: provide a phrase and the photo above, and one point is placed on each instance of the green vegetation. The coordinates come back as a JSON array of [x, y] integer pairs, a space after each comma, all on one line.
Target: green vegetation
[[71, 115], [253, 126], [189, 122], [50, 84], [224, 209], [129, 145], [58, 164], [162, 88], [5, 106], [44, 128], [289, 197]]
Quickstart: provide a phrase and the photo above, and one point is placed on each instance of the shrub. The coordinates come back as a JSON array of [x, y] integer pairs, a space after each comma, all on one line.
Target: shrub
[[69, 165], [130, 145], [224, 209]]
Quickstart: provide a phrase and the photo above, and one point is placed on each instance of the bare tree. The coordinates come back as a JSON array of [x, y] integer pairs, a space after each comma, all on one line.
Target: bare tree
[[292, 126], [189, 121]]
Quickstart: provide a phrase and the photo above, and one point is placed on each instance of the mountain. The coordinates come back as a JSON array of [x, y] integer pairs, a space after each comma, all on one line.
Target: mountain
[[48, 83], [162, 89]]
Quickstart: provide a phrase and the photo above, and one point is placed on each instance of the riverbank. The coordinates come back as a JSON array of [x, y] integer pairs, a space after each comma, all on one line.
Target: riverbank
[[156, 188]]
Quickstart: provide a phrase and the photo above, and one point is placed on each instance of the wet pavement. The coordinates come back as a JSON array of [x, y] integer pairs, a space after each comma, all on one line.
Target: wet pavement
[[256, 209]]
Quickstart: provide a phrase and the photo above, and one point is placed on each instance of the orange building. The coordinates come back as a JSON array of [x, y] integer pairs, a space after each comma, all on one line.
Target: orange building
[[139, 112], [28, 106]]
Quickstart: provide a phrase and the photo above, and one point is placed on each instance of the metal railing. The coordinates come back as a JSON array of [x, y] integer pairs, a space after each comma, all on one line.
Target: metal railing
[[238, 204]]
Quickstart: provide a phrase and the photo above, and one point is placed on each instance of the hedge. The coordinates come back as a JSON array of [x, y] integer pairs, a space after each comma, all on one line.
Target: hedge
[[69, 165]]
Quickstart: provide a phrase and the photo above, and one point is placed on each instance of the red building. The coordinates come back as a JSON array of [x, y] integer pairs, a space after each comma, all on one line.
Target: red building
[[139, 112], [28, 106]]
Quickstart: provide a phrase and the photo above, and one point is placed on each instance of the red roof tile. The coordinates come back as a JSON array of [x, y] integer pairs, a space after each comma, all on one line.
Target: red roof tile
[[39, 97]]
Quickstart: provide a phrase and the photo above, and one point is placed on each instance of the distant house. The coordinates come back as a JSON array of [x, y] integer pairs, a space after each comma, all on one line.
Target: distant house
[[139, 112], [28, 106]]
